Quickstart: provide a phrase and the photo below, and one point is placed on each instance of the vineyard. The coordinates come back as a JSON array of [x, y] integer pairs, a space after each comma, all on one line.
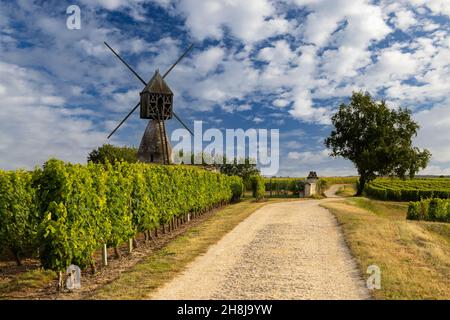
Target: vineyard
[[284, 186], [67, 212], [279, 187], [408, 190], [430, 210]]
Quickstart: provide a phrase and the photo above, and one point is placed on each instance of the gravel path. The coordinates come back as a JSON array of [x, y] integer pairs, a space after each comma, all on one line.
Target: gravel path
[[290, 250]]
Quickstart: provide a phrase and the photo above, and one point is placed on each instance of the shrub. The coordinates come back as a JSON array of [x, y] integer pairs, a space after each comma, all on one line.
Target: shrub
[[237, 187], [258, 187], [437, 210], [283, 186], [110, 154], [413, 211], [75, 221], [429, 210], [18, 221]]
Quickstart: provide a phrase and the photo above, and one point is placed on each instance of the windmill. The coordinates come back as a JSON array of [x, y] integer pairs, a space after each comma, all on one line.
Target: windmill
[[156, 102]]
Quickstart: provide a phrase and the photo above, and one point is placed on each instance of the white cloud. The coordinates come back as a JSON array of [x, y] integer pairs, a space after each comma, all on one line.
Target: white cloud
[[293, 144], [309, 156], [36, 125], [250, 20], [329, 15], [133, 7], [434, 133], [437, 6], [279, 53], [392, 65], [230, 108], [244, 107], [258, 120], [280, 103], [330, 53], [124, 101], [304, 110], [208, 60], [404, 19], [108, 4]]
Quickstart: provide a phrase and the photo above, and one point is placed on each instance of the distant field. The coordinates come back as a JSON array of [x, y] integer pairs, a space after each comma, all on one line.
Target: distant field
[[409, 190]]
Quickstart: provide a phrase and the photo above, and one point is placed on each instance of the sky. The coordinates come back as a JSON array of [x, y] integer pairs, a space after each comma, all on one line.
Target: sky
[[262, 64]]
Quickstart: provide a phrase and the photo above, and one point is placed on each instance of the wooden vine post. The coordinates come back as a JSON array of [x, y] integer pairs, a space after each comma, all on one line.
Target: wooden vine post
[[130, 245], [104, 255]]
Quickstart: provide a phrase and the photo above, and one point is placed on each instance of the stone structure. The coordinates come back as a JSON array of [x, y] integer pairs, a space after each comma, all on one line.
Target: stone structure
[[311, 184], [151, 147]]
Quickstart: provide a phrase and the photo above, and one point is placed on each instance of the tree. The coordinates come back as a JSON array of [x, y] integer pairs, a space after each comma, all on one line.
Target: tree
[[111, 154], [244, 169], [376, 138]]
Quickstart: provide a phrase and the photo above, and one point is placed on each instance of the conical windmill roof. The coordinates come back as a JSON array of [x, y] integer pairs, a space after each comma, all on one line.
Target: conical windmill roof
[[157, 85]]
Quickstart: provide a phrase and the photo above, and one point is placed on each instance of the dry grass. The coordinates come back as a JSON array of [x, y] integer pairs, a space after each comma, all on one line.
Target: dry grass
[[414, 256], [166, 263]]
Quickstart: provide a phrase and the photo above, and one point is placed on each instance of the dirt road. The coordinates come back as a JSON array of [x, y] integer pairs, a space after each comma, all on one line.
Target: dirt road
[[290, 250]]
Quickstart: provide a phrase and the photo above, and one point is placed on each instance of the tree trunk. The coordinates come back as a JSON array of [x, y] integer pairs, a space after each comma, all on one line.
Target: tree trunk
[[362, 183], [16, 257], [93, 268], [60, 281], [117, 253]]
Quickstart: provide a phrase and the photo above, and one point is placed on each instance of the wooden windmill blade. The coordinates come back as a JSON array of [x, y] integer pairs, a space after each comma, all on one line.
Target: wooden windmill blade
[[142, 80], [179, 59], [134, 109], [126, 64], [124, 119]]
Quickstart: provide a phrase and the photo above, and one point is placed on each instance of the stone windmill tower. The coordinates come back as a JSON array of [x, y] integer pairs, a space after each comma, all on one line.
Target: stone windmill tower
[[157, 106]]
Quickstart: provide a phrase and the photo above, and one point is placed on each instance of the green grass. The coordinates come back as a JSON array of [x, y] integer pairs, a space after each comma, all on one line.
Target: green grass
[[27, 280], [413, 256], [391, 209]]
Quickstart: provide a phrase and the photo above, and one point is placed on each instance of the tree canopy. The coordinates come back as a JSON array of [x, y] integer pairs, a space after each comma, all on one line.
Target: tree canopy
[[244, 168], [110, 153], [376, 138]]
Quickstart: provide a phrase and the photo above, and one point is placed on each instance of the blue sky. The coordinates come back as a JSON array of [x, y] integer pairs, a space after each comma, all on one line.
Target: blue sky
[[284, 64]]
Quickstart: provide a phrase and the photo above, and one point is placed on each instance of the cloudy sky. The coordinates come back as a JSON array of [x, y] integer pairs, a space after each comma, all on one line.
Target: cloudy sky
[[284, 64]]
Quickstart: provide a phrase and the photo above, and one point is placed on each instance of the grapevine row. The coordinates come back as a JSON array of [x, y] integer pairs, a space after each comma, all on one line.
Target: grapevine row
[[430, 210], [408, 190], [68, 211]]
